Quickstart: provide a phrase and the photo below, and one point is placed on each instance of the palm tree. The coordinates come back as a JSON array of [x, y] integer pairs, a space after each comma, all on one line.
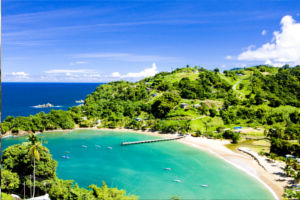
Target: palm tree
[[34, 153]]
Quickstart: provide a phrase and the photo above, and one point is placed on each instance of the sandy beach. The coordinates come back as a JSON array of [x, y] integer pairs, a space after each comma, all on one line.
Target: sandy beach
[[270, 178]]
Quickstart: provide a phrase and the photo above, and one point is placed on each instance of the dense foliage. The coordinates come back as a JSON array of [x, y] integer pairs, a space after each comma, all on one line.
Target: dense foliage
[[18, 174]]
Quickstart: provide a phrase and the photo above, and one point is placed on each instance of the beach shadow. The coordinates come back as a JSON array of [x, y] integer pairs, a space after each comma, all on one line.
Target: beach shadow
[[280, 174]]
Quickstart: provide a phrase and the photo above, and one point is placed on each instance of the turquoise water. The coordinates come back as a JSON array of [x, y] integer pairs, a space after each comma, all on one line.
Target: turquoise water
[[139, 169]]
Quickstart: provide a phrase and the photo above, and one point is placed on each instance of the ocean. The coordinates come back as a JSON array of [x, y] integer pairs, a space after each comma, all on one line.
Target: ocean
[[18, 99]]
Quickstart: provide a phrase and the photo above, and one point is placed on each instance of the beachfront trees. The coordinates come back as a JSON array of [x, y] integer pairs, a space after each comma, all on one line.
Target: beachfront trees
[[9, 181], [34, 153], [228, 134], [105, 193], [17, 160]]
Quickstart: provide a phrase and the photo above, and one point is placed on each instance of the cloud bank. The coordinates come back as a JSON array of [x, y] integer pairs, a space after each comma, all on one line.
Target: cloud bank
[[151, 71], [283, 49]]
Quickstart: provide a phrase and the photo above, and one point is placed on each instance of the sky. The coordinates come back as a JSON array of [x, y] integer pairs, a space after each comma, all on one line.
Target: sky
[[101, 41]]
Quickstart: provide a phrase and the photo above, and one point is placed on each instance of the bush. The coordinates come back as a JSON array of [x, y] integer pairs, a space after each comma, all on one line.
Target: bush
[[231, 135], [5, 196]]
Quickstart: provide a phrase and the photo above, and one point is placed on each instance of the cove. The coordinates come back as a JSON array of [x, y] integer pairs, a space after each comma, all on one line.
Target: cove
[[97, 155]]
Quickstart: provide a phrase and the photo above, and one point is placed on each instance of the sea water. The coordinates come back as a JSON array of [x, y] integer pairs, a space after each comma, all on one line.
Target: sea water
[[18, 99], [97, 155]]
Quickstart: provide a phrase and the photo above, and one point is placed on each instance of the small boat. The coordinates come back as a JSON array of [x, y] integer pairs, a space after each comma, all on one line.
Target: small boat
[[66, 157], [168, 168], [67, 152], [84, 146], [177, 180], [97, 146], [204, 185], [109, 147]]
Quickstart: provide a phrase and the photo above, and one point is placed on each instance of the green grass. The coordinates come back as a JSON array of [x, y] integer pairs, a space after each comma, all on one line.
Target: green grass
[[178, 76], [212, 124], [254, 145]]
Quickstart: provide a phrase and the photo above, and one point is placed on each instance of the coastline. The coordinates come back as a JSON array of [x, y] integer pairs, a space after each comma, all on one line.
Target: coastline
[[216, 147]]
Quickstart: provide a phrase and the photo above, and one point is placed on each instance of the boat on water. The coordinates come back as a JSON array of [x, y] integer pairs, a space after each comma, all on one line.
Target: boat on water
[[67, 152], [97, 146], [168, 168], [177, 180], [66, 157], [79, 101], [84, 146], [204, 186], [109, 147]]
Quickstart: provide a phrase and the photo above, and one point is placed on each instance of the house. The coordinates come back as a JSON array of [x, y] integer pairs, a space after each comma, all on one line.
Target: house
[[183, 105], [196, 105], [138, 119], [149, 89], [84, 118], [238, 127], [290, 156], [154, 95], [97, 122]]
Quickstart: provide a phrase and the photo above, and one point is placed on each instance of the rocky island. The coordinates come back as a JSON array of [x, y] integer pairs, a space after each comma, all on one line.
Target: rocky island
[[47, 105]]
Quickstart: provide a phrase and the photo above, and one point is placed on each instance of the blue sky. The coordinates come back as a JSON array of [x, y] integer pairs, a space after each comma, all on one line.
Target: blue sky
[[99, 41]]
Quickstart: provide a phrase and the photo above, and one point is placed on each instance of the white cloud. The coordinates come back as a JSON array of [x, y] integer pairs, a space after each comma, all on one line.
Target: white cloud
[[151, 71], [264, 32], [126, 57], [71, 75], [67, 71], [228, 57], [77, 63], [284, 47], [20, 74], [116, 74]]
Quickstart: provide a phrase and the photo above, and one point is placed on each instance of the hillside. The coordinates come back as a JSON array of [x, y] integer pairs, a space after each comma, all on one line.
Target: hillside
[[189, 100]]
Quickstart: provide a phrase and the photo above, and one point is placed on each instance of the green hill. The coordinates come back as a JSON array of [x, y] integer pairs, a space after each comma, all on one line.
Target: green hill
[[189, 100]]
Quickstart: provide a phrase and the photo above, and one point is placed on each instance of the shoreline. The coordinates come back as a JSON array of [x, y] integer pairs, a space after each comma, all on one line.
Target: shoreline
[[215, 147]]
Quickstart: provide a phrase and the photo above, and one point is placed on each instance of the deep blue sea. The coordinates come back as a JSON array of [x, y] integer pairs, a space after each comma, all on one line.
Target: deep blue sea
[[18, 99]]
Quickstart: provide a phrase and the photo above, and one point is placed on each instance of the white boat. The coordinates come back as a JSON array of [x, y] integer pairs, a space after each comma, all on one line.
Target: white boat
[[80, 101], [168, 168], [204, 185], [97, 146], [84, 146], [177, 180], [109, 147]]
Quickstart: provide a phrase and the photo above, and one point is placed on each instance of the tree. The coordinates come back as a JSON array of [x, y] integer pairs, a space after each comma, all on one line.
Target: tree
[[212, 112], [34, 153], [105, 193], [235, 138], [164, 104], [216, 70], [9, 180]]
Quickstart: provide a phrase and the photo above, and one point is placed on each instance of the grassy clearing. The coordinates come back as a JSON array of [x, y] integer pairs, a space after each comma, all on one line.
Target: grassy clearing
[[262, 145], [206, 122]]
